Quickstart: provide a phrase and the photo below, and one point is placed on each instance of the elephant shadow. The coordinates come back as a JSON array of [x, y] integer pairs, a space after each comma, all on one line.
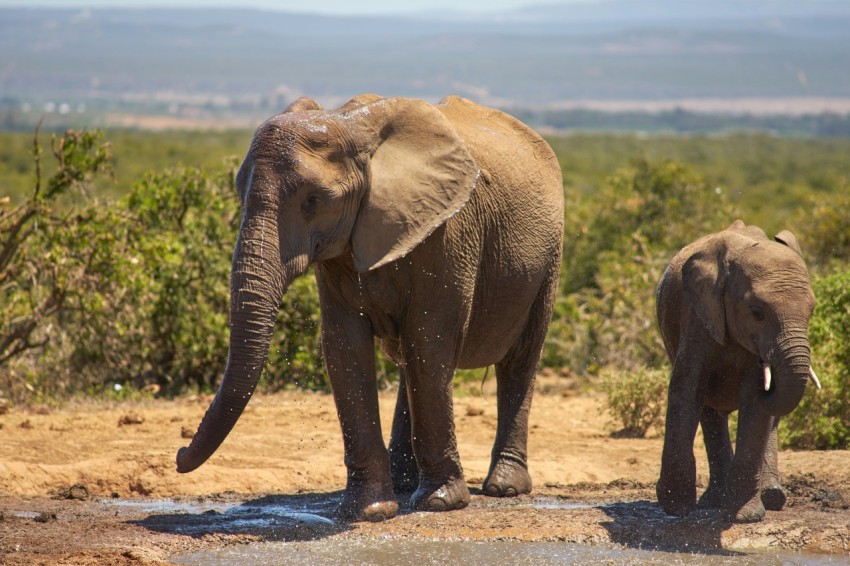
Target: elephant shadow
[[285, 518], [644, 525]]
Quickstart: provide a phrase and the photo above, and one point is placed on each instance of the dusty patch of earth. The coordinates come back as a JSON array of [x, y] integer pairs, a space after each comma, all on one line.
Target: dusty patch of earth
[[66, 477]]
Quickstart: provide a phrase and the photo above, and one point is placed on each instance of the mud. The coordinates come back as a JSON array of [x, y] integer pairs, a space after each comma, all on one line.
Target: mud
[[83, 485]]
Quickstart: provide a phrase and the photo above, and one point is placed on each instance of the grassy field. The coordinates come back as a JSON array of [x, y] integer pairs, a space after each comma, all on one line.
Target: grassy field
[[768, 179], [134, 153]]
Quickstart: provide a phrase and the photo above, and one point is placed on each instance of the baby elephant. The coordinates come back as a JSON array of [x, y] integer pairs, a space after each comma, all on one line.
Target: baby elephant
[[734, 311]]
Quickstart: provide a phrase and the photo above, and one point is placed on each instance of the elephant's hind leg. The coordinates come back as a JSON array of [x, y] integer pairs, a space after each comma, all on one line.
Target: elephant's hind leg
[[508, 475], [403, 467], [428, 372]]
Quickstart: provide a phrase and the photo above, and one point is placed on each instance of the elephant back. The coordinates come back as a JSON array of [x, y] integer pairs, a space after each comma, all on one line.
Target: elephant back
[[508, 151]]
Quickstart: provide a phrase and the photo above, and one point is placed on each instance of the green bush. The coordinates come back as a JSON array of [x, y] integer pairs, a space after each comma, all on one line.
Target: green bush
[[825, 234], [170, 326], [636, 399], [822, 420], [667, 204], [616, 246], [55, 260], [134, 291], [295, 355]]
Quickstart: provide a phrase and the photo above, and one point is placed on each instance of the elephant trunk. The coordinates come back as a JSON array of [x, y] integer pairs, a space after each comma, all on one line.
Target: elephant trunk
[[258, 280], [786, 378]]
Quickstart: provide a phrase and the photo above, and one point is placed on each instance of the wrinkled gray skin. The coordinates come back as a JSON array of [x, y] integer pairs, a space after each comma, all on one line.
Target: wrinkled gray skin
[[729, 304], [434, 229]]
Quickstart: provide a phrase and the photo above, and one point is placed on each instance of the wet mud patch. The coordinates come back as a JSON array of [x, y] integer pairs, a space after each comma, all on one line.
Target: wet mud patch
[[278, 478], [299, 517], [643, 524], [557, 525]]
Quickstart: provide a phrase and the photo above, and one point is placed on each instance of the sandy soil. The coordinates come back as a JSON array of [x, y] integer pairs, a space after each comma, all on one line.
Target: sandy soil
[[61, 470]]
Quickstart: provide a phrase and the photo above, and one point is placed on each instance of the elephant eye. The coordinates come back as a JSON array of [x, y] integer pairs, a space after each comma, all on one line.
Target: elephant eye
[[757, 313], [310, 204]]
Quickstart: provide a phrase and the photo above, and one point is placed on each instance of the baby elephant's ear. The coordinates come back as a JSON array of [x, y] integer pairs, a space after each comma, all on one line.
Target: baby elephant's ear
[[787, 238], [704, 279]]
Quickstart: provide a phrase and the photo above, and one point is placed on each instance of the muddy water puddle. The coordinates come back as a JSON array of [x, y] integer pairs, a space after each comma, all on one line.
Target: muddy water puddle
[[424, 552], [197, 518], [302, 529]]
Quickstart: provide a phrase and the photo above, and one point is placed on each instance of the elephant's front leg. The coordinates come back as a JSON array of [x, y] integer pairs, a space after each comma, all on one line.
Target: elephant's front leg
[[772, 495], [349, 351], [676, 487], [742, 503], [718, 448], [429, 368]]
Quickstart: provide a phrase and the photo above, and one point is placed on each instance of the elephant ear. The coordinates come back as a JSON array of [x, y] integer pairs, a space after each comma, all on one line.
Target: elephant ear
[[420, 174], [703, 277], [787, 238], [303, 104], [358, 101], [751, 231]]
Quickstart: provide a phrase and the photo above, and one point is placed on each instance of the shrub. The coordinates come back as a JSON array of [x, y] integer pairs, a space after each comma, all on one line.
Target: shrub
[[825, 235], [636, 399], [53, 257], [617, 244], [134, 291], [822, 420], [295, 355], [165, 320], [666, 203]]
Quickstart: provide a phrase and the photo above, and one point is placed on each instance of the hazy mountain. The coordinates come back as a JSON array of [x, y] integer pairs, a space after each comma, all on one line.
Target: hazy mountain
[[247, 60]]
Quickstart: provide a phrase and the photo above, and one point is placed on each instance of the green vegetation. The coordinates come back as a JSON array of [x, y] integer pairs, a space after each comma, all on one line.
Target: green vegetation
[[134, 153], [636, 400], [125, 282], [823, 418]]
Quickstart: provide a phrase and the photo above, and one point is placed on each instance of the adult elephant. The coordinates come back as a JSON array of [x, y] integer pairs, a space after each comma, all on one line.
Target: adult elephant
[[734, 309], [435, 229]]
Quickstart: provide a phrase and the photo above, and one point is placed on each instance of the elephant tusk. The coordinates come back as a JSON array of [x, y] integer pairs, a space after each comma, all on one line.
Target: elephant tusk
[[814, 378], [767, 378]]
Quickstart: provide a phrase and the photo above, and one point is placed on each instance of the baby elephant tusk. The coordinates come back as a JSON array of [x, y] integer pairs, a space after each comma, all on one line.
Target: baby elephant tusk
[[767, 378], [814, 378]]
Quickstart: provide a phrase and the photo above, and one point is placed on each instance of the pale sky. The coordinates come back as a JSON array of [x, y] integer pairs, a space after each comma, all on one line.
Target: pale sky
[[311, 6]]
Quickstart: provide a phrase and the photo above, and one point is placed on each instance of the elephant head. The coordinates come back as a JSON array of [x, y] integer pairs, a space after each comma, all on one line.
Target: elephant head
[[749, 289], [371, 179]]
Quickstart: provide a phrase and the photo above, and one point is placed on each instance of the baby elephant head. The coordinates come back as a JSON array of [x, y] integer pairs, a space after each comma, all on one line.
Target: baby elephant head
[[755, 292]]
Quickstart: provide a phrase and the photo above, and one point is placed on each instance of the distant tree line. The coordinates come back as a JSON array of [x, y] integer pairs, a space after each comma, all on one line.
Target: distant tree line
[[686, 122]]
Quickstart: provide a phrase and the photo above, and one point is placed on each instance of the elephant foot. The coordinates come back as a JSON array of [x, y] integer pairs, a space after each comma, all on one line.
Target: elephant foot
[[773, 497], [507, 478], [404, 471], [432, 496], [675, 500], [752, 512], [365, 503], [712, 498]]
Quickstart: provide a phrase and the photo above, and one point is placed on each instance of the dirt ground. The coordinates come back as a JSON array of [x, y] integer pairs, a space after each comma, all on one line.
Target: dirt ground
[[81, 484]]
